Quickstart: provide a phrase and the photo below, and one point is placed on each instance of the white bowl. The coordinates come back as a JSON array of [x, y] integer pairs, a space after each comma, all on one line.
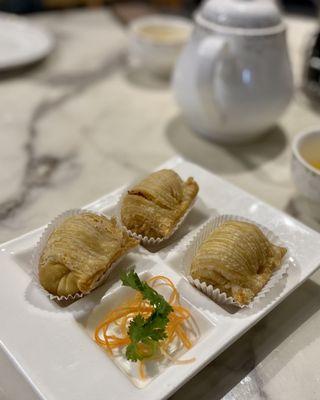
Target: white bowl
[[306, 150], [156, 42]]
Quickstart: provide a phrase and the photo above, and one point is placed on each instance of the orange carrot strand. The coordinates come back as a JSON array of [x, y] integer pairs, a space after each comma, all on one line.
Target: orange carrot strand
[[112, 332]]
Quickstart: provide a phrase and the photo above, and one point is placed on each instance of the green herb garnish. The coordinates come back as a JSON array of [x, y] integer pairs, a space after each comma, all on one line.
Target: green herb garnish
[[146, 333]]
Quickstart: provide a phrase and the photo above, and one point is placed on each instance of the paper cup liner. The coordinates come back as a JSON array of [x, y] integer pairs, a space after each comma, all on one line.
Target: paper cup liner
[[41, 245], [145, 240], [215, 294]]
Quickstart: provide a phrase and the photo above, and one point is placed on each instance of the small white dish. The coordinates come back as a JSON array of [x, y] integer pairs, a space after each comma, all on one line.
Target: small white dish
[[156, 42], [21, 43], [120, 294], [305, 158]]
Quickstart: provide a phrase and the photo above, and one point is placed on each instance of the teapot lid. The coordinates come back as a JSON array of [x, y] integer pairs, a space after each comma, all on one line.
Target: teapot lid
[[244, 14]]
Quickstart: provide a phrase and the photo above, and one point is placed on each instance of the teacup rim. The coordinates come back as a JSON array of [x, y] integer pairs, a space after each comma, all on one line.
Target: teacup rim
[[159, 18], [315, 130]]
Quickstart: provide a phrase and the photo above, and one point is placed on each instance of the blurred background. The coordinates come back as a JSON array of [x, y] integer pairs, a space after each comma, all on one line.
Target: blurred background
[[186, 6]]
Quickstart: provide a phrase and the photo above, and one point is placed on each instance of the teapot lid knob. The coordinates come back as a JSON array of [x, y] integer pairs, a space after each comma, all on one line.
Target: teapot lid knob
[[245, 14]]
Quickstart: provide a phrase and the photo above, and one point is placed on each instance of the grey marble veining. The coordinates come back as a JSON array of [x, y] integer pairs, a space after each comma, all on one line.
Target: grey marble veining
[[40, 168], [81, 124]]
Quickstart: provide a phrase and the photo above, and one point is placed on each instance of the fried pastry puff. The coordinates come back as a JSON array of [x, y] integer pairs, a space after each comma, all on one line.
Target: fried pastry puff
[[154, 206], [238, 259], [79, 251]]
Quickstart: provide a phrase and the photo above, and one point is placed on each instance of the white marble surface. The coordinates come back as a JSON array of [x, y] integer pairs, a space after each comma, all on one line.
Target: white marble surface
[[81, 124]]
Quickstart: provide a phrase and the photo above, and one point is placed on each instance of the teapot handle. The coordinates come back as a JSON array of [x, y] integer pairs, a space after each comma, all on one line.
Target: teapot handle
[[211, 51]]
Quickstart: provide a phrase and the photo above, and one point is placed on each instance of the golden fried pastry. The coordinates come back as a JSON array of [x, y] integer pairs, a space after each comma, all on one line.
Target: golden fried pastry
[[238, 259], [154, 206], [79, 251]]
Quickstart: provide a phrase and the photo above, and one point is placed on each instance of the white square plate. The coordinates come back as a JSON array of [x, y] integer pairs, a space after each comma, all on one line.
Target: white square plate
[[48, 348]]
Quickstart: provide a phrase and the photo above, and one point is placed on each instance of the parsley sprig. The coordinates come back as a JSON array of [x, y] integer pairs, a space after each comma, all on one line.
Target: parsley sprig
[[146, 333]]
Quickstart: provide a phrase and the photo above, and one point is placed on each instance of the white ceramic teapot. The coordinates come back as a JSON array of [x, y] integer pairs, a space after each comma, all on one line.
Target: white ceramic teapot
[[234, 79]]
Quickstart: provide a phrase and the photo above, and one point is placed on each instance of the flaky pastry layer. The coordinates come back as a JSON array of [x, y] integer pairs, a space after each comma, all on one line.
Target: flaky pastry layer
[[154, 206], [238, 259], [79, 251]]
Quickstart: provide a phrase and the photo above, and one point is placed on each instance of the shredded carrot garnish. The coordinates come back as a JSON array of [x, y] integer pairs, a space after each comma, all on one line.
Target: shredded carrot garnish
[[179, 328]]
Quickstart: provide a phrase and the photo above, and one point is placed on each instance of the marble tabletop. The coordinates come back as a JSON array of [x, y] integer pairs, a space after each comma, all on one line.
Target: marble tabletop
[[81, 124]]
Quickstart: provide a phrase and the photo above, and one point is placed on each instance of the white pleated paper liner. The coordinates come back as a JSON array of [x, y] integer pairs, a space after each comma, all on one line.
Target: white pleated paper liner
[[40, 247], [215, 294], [145, 239]]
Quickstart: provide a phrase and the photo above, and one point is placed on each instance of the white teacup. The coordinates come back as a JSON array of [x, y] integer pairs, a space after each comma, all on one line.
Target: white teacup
[[156, 42], [306, 164]]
